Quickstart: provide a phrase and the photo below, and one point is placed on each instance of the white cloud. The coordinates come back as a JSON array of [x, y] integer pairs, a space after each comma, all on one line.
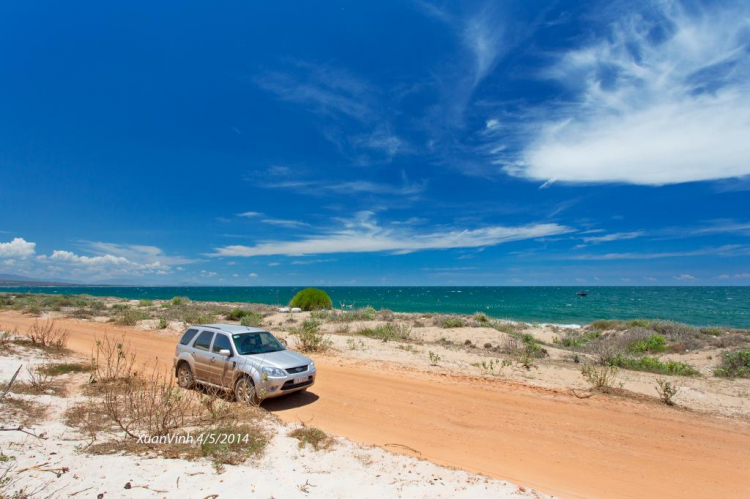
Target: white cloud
[[17, 248], [664, 99], [99, 267], [274, 264], [364, 235], [684, 277], [137, 253], [252, 275], [250, 214], [207, 273], [617, 236]]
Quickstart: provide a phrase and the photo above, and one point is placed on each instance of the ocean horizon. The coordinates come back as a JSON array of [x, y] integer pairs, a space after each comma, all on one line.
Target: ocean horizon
[[695, 305]]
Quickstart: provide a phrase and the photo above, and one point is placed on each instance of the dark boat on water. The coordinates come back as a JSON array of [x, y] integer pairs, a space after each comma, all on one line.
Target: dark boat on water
[[581, 293]]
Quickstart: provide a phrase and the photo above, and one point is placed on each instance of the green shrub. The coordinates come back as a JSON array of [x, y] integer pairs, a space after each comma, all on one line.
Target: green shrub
[[735, 364], [162, 324], [452, 322], [130, 317], [654, 343], [311, 299], [481, 318], [387, 332], [309, 337], [599, 377], [237, 314], [667, 391], [574, 339], [252, 319], [653, 365], [179, 300], [637, 323], [194, 316], [145, 303], [712, 331], [603, 325]]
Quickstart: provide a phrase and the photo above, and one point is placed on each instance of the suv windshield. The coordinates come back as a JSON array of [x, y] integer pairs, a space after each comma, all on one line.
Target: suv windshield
[[252, 343]]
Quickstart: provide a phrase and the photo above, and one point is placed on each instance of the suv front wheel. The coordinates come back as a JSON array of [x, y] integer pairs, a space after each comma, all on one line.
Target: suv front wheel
[[185, 376], [244, 391]]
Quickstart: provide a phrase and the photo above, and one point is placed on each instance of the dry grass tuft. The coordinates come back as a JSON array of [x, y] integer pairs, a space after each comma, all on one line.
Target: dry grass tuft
[[46, 335], [315, 437]]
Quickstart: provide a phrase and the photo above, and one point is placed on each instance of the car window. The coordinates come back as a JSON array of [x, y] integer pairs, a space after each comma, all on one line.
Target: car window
[[221, 343], [189, 335], [255, 343], [204, 340]]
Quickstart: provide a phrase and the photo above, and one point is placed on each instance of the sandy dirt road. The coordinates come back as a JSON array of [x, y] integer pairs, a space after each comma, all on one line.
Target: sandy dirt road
[[552, 442]]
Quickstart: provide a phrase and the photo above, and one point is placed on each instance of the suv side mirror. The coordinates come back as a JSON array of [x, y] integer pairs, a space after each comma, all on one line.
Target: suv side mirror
[[225, 352]]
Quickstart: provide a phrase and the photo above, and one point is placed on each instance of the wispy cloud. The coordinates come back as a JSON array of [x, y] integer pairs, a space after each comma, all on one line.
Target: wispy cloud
[[324, 89], [272, 180], [617, 236], [291, 224], [364, 235], [740, 276], [663, 99], [729, 250], [313, 262], [250, 214]]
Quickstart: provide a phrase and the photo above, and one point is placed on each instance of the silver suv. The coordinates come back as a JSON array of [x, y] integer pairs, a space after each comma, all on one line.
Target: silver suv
[[249, 361]]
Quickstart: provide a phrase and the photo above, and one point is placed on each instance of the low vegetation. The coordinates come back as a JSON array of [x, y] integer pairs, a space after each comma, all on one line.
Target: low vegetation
[[388, 332], [253, 319], [653, 365], [65, 368], [311, 299], [667, 391], [130, 404], [600, 377], [310, 338], [47, 335], [314, 437], [130, 317], [734, 364]]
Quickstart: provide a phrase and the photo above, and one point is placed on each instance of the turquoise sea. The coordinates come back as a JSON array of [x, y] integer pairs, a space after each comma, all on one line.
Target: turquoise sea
[[699, 306]]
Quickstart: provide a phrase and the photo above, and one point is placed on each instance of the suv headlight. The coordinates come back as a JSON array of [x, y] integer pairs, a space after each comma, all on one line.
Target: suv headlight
[[311, 366], [273, 372]]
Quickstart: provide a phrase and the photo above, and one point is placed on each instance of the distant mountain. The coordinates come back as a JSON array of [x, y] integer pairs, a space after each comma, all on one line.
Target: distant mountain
[[21, 280]]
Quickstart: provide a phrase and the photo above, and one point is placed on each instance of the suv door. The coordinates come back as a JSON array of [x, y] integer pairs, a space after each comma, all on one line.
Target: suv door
[[202, 355], [222, 368]]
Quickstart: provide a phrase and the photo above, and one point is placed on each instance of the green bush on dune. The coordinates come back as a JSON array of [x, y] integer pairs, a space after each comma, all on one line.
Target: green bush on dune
[[311, 299], [735, 364]]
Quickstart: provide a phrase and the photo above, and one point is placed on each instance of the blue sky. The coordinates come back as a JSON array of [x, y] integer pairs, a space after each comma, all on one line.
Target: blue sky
[[389, 143]]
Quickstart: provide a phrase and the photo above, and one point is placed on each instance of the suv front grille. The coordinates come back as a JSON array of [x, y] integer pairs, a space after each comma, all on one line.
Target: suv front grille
[[295, 370], [290, 385]]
